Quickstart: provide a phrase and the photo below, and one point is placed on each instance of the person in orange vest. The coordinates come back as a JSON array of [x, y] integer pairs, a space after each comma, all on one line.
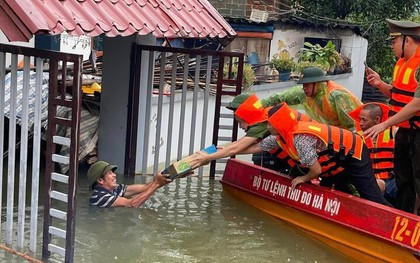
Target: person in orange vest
[[326, 151], [381, 148], [269, 144], [404, 93], [252, 118], [323, 100]]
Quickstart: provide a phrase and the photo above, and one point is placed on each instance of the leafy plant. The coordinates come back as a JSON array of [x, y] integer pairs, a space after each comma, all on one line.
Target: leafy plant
[[281, 64], [301, 65], [248, 75], [370, 19], [326, 56]]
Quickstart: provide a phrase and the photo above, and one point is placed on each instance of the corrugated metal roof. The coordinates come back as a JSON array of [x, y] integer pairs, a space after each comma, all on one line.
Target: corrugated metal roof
[[21, 19]]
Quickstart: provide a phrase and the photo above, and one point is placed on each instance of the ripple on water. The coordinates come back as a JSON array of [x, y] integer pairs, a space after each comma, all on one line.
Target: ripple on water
[[190, 220]]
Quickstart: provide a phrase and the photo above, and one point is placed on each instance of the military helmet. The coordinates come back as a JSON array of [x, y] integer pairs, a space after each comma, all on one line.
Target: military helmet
[[97, 170], [311, 75]]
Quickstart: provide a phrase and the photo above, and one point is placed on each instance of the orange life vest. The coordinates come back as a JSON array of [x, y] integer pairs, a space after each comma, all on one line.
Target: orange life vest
[[382, 153], [295, 115], [404, 86], [252, 111], [382, 150], [340, 143], [283, 156]]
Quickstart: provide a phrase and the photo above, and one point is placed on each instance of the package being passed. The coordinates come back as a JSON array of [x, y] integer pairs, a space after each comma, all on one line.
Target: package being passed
[[182, 167]]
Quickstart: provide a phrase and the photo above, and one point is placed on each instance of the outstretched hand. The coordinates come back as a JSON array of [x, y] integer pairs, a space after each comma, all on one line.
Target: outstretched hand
[[373, 131], [200, 159], [161, 180]]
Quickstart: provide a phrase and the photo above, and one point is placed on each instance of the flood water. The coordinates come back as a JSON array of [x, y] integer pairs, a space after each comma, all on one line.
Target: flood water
[[189, 220]]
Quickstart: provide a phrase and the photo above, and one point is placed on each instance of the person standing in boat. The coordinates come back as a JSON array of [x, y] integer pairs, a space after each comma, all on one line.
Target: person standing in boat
[[252, 118], [404, 93], [325, 151], [323, 100], [381, 148], [107, 193]]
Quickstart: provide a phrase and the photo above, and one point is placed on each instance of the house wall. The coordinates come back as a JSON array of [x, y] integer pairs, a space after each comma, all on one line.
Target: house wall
[[289, 39], [188, 139], [75, 45], [243, 8], [4, 40], [262, 91], [68, 44]]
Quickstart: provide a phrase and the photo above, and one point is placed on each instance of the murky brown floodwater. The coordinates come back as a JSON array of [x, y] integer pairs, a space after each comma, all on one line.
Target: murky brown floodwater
[[189, 220]]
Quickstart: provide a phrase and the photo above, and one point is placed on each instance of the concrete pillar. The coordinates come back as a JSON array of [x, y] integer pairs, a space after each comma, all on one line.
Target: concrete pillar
[[114, 96]]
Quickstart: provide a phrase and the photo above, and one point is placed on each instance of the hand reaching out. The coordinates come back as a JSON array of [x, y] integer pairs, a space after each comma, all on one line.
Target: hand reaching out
[[200, 159], [161, 180], [372, 132]]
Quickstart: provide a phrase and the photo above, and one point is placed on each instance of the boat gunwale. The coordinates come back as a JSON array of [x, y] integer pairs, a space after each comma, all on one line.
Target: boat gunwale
[[358, 200]]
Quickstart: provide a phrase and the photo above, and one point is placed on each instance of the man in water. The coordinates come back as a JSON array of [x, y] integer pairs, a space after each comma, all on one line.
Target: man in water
[[107, 193]]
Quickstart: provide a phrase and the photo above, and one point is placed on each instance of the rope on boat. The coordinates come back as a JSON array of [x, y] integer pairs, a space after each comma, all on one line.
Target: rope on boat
[[22, 255]]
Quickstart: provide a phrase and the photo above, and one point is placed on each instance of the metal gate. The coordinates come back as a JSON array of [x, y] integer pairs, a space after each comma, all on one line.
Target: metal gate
[[180, 102], [194, 74], [40, 76]]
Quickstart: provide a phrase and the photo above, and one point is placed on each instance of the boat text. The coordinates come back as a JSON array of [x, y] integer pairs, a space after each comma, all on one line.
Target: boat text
[[305, 198], [402, 231]]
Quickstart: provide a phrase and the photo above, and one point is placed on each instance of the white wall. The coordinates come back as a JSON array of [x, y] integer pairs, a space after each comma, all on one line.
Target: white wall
[[188, 138], [68, 44], [289, 39], [4, 40], [75, 45]]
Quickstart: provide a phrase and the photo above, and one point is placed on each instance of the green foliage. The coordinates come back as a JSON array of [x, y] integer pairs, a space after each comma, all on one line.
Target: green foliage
[[281, 64], [248, 75], [301, 65], [370, 17], [326, 56]]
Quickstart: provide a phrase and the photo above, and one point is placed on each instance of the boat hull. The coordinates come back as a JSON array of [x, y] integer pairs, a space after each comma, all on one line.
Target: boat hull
[[360, 229]]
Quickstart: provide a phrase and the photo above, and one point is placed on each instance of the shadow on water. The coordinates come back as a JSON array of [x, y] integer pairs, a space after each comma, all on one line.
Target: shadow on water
[[189, 220]]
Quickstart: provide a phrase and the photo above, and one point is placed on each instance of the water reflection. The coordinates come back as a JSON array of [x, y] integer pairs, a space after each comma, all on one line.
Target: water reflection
[[190, 220]]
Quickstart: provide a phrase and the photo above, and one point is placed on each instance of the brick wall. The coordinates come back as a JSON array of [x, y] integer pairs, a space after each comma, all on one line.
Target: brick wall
[[242, 8]]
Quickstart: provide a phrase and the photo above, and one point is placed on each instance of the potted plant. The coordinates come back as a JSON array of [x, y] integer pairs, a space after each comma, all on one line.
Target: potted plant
[[283, 66], [301, 65], [325, 56], [248, 75]]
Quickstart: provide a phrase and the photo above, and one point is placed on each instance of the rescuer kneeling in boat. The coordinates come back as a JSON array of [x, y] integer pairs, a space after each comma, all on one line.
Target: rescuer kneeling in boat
[[326, 151], [252, 118], [106, 192], [381, 147]]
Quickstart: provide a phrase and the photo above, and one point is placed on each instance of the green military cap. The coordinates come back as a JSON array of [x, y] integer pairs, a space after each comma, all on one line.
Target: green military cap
[[238, 100], [403, 28], [97, 170], [311, 75]]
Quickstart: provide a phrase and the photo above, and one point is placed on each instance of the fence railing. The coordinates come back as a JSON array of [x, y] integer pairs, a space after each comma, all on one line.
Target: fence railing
[[179, 107], [32, 88]]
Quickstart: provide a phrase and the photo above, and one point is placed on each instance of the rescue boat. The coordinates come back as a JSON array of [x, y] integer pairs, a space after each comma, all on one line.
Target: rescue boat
[[361, 229]]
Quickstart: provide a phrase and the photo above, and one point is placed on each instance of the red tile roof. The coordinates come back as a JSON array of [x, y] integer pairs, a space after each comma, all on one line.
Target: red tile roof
[[21, 19]]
